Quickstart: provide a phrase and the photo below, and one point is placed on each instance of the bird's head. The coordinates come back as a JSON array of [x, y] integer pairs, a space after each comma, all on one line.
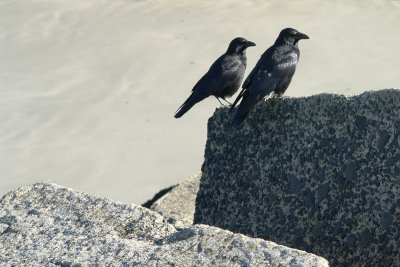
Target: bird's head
[[239, 45], [290, 36]]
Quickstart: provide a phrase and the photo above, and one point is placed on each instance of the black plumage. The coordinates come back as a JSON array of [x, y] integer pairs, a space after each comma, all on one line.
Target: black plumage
[[223, 78], [272, 73]]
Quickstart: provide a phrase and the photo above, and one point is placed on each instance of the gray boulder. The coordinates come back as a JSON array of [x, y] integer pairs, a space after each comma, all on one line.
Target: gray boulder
[[48, 225], [178, 205], [320, 173]]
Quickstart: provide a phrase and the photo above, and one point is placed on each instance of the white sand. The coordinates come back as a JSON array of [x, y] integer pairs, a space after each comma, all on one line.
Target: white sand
[[88, 89]]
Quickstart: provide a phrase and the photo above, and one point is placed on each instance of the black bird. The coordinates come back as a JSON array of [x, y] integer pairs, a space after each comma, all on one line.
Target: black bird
[[223, 78], [272, 73]]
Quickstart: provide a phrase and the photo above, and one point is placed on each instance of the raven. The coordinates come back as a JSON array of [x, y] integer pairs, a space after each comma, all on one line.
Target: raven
[[223, 78], [272, 73]]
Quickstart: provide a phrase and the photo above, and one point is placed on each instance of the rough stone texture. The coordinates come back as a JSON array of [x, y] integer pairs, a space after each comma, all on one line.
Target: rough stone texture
[[178, 205], [320, 173], [48, 225]]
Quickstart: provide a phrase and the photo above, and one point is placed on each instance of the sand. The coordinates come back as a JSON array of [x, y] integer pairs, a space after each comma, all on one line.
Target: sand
[[88, 89]]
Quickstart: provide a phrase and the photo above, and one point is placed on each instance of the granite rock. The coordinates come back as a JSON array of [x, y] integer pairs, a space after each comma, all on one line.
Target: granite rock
[[178, 205], [319, 173], [48, 225]]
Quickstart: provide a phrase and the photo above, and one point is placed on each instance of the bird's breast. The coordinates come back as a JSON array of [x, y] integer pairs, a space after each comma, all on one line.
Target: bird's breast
[[288, 64], [290, 60]]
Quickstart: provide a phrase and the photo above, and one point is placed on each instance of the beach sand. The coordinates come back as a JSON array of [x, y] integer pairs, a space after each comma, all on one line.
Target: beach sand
[[88, 89]]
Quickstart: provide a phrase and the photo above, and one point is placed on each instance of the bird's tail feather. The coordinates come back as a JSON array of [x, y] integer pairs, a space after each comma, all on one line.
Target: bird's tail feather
[[241, 94], [188, 104], [243, 110]]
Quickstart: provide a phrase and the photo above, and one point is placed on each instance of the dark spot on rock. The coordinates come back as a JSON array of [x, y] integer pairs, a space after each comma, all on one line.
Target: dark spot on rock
[[383, 139], [324, 142], [397, 126], [199, 248], [383, 239], [340, 180], [387, 220], [389, 162], [340, 142], [299, 232], [33, 212], [322, 191], [8, 219], [337, 229], [67, 264], [171, 220], [295, 184], [351, 241], [365, 238], [387, 262], [351, 172], [317, 229], [182, 235], [360, 122], [309, 199]]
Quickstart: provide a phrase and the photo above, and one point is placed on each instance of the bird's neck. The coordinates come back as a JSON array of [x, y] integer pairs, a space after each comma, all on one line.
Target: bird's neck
[[286, 41], [236, 52]]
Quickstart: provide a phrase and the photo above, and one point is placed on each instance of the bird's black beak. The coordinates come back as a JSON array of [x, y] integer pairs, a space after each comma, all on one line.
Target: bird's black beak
[[248, 44], [300, 36]]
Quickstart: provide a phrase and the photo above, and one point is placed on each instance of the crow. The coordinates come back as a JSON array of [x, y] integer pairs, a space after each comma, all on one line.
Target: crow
[[223, 78], [272, 73]]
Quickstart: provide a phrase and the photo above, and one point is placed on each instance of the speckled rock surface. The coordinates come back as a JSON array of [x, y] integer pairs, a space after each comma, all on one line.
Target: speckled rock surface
[[321, 174], [178, 205], [48, 225]]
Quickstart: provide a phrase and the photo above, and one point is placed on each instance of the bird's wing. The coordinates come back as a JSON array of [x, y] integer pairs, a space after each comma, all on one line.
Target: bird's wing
[[274, 71], [222, 72], [255, 72], [232, 69], [262, 63], [205, 81]]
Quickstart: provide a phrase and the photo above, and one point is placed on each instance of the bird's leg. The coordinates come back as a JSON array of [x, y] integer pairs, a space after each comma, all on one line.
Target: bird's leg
[[219, 101], [229, 103]]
